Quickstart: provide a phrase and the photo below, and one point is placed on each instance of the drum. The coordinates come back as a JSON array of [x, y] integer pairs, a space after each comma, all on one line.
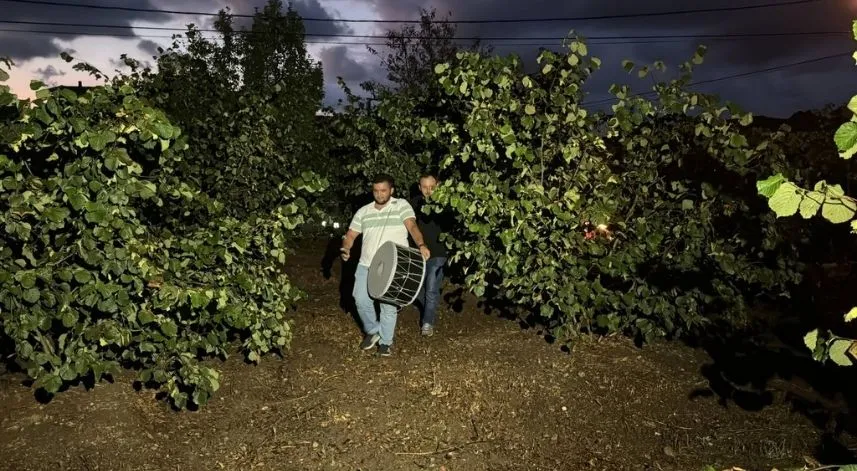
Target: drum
[[396, 274]]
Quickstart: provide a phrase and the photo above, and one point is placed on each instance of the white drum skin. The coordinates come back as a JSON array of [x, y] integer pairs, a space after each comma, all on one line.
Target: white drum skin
[[396, 274]]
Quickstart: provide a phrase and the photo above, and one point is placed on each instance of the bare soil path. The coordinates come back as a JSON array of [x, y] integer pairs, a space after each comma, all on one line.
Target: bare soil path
[[482, 394]]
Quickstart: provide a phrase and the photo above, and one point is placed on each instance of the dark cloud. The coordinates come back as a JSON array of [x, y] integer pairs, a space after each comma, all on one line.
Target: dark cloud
[[305, 8], [724, 57], [47, 74], [149, 47], [336, 63], [313, 9], [27, 45]]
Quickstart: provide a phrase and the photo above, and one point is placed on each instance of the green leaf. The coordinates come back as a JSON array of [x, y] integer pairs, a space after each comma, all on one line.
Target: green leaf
[[49, 382], [546, 311], [76, 198], [4, 76], [145, 317], [26, 278], [164, 130], [99, 140], [811, 339], [845, 138], [785, 201], [769, 186], [96, 213], [69, 318], [686, 204], [148, 190], [838, 211], [851, 315], [852, 104], [810, 204], [169, 328], [530, 109], [57, 213], [199, 299], [838, 352], [82, 276], [441, 68], [32, 295], [737, 140]]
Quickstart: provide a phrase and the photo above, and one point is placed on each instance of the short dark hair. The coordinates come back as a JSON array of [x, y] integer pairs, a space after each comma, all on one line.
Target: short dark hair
[[428, 174], [382, 178]]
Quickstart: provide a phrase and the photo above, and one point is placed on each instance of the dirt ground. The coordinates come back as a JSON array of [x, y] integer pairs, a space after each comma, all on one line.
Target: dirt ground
[[481, 394]]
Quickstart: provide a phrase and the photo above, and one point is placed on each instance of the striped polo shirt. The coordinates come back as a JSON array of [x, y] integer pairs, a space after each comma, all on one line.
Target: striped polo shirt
[[381, 225]]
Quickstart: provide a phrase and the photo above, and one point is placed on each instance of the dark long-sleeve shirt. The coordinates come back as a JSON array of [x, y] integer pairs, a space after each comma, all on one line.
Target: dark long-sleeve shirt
[[432, 226]]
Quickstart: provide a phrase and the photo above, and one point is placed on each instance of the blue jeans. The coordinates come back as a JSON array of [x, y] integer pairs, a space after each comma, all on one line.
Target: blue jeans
[[429, 295], [366, 309]]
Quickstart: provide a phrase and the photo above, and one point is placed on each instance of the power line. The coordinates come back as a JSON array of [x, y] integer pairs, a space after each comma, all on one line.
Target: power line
[[555, 41], [482, 21], [738, 75], [473, 38]]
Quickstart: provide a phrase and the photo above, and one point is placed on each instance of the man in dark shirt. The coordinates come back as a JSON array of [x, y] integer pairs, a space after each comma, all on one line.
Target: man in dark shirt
[[431, 226]]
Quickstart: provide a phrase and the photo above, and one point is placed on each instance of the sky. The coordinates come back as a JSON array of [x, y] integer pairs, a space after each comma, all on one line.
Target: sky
[[778, 93]]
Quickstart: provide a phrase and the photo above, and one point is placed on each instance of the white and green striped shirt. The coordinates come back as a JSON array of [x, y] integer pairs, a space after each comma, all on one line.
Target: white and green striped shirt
[[381, 225]]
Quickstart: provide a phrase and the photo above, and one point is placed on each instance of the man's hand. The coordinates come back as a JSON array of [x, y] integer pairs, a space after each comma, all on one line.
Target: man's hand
[[425, 251], [346, 254]]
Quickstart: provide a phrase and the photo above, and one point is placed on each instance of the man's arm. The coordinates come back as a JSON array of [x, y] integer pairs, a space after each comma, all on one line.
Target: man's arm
[[417, 235], [414, 230], [409, 219], [354, 230], [348, 240], [347, 243]]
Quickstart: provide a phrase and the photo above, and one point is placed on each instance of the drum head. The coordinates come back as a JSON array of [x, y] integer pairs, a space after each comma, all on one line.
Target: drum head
[[382, 270]]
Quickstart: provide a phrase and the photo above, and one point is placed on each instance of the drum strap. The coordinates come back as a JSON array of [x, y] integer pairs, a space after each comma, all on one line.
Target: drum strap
[[383, 228]]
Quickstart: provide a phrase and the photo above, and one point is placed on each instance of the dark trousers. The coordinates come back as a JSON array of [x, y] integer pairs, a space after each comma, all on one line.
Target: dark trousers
[[429, 295]]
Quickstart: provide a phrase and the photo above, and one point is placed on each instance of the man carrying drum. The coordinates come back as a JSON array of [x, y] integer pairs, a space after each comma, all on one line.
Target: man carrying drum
[[386, 219]]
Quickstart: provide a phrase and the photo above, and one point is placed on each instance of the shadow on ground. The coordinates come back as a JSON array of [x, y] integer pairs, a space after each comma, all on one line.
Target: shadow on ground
[[758, 368]]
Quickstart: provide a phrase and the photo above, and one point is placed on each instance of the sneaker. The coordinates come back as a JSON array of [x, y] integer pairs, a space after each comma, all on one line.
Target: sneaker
[[427, 330], [384, 350], [369, 341]]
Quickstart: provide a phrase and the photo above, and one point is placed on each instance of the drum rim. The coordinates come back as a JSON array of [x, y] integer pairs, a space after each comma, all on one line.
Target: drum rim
[[422, 279], [390, 280], [395, 263]]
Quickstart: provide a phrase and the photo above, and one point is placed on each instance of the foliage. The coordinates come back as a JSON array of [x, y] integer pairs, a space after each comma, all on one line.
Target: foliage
[[248, 102], [111, 257], [526, 170], [386, 137], [786, 198], [413, 52]]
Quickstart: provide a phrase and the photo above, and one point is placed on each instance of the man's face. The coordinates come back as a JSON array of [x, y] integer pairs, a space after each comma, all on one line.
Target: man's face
[[382, 192], [427, 186]]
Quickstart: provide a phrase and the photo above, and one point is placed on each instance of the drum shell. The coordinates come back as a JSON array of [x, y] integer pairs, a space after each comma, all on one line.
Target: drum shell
[[396, 274]]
